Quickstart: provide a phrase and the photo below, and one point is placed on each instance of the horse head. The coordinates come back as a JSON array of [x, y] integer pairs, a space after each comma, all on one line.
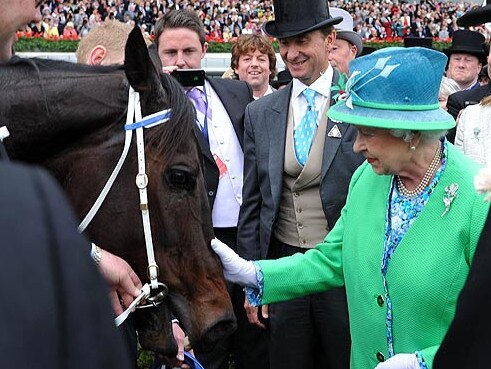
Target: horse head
[[81, 152]]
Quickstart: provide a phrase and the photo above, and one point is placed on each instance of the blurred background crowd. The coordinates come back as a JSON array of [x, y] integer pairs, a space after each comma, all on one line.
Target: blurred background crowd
[[225, 20]]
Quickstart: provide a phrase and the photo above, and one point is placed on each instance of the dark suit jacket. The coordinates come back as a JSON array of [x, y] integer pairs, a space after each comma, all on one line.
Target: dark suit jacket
[[467, 342], [459, 100], [264, 153], [235, 95], [55, 311]]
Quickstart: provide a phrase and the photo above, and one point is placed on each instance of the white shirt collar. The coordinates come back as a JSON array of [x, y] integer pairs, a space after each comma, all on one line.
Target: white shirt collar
[[321, 85], [268, 91]]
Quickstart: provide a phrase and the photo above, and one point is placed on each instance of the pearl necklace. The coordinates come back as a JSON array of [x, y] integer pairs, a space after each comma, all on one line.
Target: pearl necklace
[[434, 165]]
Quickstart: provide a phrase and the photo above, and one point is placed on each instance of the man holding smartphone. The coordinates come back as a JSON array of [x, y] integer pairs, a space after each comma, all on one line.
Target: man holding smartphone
[[220, 105]]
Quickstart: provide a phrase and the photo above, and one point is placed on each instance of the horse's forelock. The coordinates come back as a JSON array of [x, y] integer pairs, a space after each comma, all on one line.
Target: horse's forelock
[[175, 132]]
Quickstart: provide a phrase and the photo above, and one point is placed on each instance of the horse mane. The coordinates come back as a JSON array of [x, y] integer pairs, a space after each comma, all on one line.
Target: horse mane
[[165, 139], [41, 64], [173, 133], [41, 97], [58, 66]]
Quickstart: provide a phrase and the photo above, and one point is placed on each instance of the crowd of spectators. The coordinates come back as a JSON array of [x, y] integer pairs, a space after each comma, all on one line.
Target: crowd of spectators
[[225, 20]]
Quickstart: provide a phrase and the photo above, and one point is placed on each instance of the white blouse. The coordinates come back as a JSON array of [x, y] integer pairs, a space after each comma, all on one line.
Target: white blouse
[[473, 135]]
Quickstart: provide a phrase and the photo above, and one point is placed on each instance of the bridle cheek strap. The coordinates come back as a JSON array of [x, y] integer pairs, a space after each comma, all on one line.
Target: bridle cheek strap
[[142, 183], [135, 122]]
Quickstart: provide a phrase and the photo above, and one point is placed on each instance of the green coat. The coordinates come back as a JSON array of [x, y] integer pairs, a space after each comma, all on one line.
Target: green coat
[[425, 275]]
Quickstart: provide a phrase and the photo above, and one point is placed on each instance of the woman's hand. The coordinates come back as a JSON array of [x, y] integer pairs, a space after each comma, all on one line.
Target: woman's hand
[[235, 269]]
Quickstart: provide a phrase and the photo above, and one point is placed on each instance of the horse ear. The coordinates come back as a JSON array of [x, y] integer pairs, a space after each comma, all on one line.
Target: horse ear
[[137, 63], [154, 56]]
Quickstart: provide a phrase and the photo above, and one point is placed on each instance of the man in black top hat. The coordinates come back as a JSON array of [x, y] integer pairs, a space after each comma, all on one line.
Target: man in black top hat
[[459, 100], [294, 186], [466, 57]]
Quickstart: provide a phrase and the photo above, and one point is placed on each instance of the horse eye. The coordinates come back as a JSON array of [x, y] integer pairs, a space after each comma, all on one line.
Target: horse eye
[[180, 178]]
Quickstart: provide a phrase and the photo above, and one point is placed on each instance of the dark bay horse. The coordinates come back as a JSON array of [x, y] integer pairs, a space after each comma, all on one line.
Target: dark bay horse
[[69, 118]]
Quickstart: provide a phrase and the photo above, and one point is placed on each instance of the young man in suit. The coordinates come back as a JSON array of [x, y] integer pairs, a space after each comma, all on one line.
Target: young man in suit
[[254, 61], [295, 187], [220, 106]]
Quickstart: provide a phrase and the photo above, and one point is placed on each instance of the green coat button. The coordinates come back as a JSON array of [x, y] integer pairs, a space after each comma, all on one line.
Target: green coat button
[[380, 357], [380, 300]]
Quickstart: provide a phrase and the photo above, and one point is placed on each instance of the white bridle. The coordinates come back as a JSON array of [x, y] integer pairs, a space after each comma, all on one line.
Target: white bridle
[[135, 122]]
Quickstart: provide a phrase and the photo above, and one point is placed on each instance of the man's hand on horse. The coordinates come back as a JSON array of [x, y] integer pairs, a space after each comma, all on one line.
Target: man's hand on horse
[[253, 313], [122, 280], [235, 269], [182, 343]]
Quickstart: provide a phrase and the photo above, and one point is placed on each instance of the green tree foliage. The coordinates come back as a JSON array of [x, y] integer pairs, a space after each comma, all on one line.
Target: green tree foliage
[[44, 45]]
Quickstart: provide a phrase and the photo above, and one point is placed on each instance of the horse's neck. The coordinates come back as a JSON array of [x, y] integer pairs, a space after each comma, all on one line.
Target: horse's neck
[[49, 109]]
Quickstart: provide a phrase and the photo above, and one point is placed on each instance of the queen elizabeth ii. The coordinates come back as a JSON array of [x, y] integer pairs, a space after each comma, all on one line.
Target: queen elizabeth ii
[[407, 234]]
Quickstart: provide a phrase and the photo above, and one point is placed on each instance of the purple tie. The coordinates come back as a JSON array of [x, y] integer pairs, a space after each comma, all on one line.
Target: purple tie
[[196, 96], [202, 109]]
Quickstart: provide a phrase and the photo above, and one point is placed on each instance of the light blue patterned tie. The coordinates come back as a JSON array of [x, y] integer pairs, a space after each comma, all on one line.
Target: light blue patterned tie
[[305, 131]]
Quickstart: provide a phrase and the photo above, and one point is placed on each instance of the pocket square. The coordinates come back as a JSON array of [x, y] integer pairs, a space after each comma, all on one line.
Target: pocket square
[[334, 132]]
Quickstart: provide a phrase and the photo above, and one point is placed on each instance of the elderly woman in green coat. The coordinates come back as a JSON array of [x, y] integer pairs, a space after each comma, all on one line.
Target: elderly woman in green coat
[[407, 234]]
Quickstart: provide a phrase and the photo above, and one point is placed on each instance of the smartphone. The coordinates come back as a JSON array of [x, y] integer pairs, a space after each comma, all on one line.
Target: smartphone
[[189, 77]]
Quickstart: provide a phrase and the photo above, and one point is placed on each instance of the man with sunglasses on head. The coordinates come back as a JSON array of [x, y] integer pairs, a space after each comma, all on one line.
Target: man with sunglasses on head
[[69, 320]]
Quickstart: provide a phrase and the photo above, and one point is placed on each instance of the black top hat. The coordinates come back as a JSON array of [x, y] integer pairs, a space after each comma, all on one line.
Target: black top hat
[[419, 41], [283, 78], [468, 42], [367, 50], [476, 16], [294, 17]]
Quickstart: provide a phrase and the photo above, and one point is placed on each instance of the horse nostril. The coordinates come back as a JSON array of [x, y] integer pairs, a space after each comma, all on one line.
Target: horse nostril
[[220, 330]]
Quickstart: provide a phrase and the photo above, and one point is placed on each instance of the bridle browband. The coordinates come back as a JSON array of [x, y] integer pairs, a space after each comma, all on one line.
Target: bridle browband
[[135, 122]]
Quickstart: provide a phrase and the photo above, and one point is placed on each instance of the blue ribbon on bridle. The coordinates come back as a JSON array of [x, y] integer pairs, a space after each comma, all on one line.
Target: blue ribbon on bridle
[[151, 120]]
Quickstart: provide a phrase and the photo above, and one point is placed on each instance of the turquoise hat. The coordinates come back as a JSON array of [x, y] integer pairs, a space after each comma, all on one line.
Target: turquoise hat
[[395, 88]]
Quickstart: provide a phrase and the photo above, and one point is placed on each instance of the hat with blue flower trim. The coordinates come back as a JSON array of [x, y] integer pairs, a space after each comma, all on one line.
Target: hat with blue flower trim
[[395, 88]]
